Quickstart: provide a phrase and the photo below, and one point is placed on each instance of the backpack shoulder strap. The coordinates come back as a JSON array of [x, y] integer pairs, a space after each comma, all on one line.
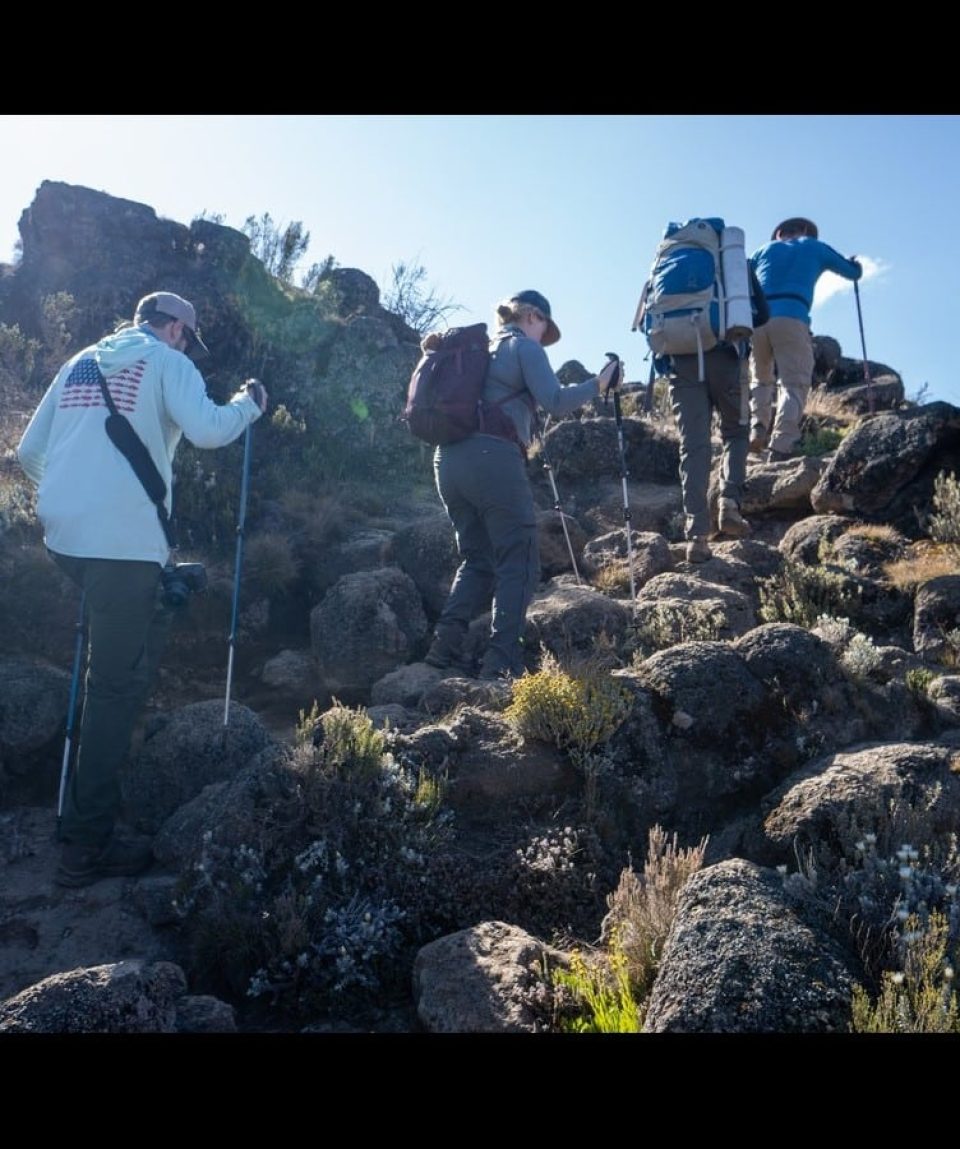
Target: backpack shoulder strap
[[136, 454]]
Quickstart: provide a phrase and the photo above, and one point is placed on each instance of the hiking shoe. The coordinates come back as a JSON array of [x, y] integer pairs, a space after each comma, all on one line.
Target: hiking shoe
[[125, 857], [730, 522], [119, 858], [78, 865], [493, 670], [758, 438], [446, 649], [698, 551]]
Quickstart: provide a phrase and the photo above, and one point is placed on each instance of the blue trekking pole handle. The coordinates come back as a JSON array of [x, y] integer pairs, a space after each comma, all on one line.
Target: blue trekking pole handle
[[241, 524], [72, 706]]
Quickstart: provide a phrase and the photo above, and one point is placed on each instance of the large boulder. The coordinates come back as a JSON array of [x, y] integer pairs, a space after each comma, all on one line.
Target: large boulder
[[482, 980], [366, 625], [183, 752], [743, 957]]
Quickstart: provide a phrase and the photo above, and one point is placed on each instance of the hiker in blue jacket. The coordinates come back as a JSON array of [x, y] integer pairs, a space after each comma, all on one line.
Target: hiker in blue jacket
[[483, 484], [788, 268]]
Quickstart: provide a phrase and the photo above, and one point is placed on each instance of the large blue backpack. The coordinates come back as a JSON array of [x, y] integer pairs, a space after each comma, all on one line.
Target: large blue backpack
[[697, 293]]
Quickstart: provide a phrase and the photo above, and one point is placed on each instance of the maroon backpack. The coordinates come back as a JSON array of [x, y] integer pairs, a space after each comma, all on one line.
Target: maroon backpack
[[444, 401]]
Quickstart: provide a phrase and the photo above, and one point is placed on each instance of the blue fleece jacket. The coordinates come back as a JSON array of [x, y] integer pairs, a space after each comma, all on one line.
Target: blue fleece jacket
[[788, 270]]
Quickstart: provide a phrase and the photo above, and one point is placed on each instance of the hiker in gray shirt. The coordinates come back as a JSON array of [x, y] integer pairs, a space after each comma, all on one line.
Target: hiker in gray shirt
[[485, 490]]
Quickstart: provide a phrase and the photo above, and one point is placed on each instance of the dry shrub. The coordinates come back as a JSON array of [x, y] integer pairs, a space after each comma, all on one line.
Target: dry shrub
[[315, 517], [830, 405], [881, 532], [945, 521], [924, 561], [271, 563], [642, 908], [613, 579]]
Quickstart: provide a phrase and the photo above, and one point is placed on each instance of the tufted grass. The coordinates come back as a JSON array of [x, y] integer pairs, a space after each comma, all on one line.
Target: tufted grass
[[610, 984]]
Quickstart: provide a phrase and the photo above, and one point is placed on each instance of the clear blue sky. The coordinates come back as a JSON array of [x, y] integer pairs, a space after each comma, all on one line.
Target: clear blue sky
[[570, 205]]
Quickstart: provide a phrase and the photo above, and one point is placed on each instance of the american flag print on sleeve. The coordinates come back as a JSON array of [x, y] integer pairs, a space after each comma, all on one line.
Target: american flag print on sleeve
[[82, 388]]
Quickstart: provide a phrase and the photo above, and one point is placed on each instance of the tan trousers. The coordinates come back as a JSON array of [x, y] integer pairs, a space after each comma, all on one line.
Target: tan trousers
[[781, 347]]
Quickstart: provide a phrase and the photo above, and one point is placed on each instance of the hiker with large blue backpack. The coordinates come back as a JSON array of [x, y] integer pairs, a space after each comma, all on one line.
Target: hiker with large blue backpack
[[481, 476], [697, 310]]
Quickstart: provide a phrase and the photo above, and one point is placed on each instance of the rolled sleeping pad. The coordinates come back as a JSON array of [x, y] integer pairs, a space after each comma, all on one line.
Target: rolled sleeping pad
[[736, 284]]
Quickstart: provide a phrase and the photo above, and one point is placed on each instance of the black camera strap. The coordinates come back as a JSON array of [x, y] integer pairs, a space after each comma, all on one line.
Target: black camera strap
[[130, 445]]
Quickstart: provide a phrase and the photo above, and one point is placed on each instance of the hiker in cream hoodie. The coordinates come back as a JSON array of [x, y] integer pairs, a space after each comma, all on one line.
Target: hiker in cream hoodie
[[104, 531]]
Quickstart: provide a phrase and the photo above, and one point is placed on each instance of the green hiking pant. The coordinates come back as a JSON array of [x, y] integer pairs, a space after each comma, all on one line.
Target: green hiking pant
[[693, 405], [127, 626]]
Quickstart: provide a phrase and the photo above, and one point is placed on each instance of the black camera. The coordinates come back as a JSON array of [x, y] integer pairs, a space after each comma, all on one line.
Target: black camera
[[180, 580]]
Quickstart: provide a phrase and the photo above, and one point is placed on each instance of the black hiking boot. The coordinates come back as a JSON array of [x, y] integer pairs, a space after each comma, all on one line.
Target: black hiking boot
[[446, 650]]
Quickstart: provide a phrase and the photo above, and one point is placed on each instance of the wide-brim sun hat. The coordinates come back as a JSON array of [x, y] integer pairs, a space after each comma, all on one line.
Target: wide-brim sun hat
[[542, 304], [798, 225]]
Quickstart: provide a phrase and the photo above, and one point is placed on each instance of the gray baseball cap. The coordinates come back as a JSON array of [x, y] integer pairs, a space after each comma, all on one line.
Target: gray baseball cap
[[167, 303]]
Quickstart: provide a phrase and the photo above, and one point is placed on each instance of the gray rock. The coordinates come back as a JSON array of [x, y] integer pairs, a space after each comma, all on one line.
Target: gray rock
[[187, 751], [482, 980], [740, 958]]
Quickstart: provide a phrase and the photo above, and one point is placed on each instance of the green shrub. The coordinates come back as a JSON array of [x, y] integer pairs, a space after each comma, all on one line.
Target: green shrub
[[322, 907], [346, 741], [918, 681], [817, 441], [800, 594], [921, 997], [662, 625], [601, 995], [574, 711]]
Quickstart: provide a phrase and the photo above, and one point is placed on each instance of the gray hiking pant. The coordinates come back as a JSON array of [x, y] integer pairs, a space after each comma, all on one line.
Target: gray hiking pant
[[693, 406], [483, 484]]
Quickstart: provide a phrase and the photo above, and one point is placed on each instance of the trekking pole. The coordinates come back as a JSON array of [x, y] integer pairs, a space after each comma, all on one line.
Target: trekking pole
[[72, 706], [618, 415], [648, 397], [559, 509], [241, 523], [863, 344]]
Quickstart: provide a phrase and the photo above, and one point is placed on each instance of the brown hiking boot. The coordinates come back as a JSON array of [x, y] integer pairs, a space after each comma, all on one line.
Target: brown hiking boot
[[758, 438], [730, 522], [119, 858], [446, 649], [698, 551]]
